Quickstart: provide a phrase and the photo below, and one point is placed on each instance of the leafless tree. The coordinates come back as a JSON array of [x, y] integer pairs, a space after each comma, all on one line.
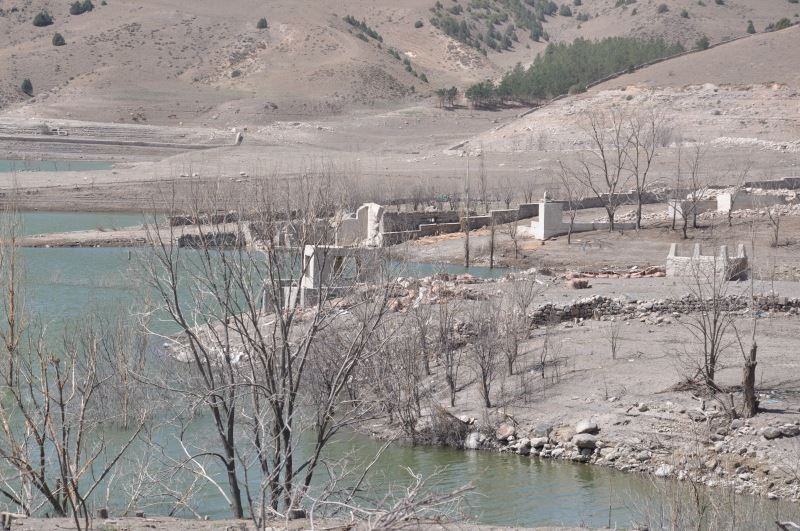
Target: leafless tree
[[711, 325], [603, 168], [573, 190], [648, 131], [249, 343], [512, 231], [614, 336], [485, 348], [739, 181], [449, 351], [53, 444], [422, 319]]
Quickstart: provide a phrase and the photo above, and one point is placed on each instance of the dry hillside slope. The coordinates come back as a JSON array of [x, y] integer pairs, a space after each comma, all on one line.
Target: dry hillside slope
[[166, 61]]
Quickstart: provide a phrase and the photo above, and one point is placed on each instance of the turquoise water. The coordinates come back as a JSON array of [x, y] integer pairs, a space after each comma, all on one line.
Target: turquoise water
[[10, 165], [63, 283], [45, 222]]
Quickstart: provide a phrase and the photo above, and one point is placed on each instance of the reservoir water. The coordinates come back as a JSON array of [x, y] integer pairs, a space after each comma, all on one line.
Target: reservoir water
[[63, 283]]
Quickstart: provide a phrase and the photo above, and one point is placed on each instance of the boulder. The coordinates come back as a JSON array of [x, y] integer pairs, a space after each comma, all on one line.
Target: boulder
[[586, 426], [790, 430], [771, 432], [473, 441], [538, 442], [504, 431], [542, 430], [663, 471], [585, 440]]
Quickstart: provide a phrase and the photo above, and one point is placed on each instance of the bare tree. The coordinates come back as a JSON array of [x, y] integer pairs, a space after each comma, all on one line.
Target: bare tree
[[512, 231], [250, 343], [614, 337], [739, 181], [603, 170], [647, 131], [574, 191], [55, 449], [449, 353], [484, 349], [690, 174], [711, 324]]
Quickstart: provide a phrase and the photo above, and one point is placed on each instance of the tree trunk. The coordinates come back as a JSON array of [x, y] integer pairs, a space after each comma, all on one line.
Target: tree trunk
[[749, 384], [491, 245]]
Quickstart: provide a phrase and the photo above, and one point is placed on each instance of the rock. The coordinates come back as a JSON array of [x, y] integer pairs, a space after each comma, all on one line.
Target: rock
[[473, 441], [790, 430], [696, 415], [538, 442], [736, 424], [644, 455], [663, 471], [585, 440], [770, 433], [586, 426], [504, 431], [643, 407], [542, 430]]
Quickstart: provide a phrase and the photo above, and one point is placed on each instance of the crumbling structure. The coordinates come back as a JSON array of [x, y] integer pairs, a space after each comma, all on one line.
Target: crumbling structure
[[550, 222], [707, 266]]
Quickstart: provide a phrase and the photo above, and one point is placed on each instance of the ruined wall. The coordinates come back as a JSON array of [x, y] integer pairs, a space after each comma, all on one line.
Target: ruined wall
[[707, 266]]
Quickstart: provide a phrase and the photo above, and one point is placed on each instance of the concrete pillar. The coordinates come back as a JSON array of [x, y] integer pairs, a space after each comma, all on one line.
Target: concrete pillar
[[551, 222]]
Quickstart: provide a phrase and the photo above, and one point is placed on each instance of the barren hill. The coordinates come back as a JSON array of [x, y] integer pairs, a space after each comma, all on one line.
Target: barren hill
[[166, 61]]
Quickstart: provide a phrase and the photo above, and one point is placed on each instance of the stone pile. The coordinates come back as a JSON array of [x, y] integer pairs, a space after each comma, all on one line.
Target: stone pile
[[599, 307]]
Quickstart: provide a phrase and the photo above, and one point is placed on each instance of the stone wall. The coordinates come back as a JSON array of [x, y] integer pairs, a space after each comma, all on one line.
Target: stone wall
[[599, 307]]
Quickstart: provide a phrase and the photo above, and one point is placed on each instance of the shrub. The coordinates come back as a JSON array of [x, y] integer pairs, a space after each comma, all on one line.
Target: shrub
[[27, 87], [423, 78], [565, 11], [103, 3], [58, 40], [42, 19], [719, 2], [583, 17], [577, 3], [418, 24], [701, 43], [750, 28], [684, 13], [662, 8], [362, 25], [79, 8], [262, 23], [781, 24]]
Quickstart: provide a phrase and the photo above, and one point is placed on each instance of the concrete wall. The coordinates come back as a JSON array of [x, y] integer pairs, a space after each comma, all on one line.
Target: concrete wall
[[743, 200], [677, 207], [551, 223], [707, 266]]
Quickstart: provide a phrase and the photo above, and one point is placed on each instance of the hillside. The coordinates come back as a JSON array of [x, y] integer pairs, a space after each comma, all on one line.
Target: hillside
[[161, 62]]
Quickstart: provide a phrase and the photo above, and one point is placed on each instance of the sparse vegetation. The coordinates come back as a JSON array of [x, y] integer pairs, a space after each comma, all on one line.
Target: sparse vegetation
[[662, 8], [27, 87], [42, 19], [779, 25], [750, 28], [262, 23], [701, 43], [684, 13], [565, 11], [58, 40], [362, 25], [79, 8]]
